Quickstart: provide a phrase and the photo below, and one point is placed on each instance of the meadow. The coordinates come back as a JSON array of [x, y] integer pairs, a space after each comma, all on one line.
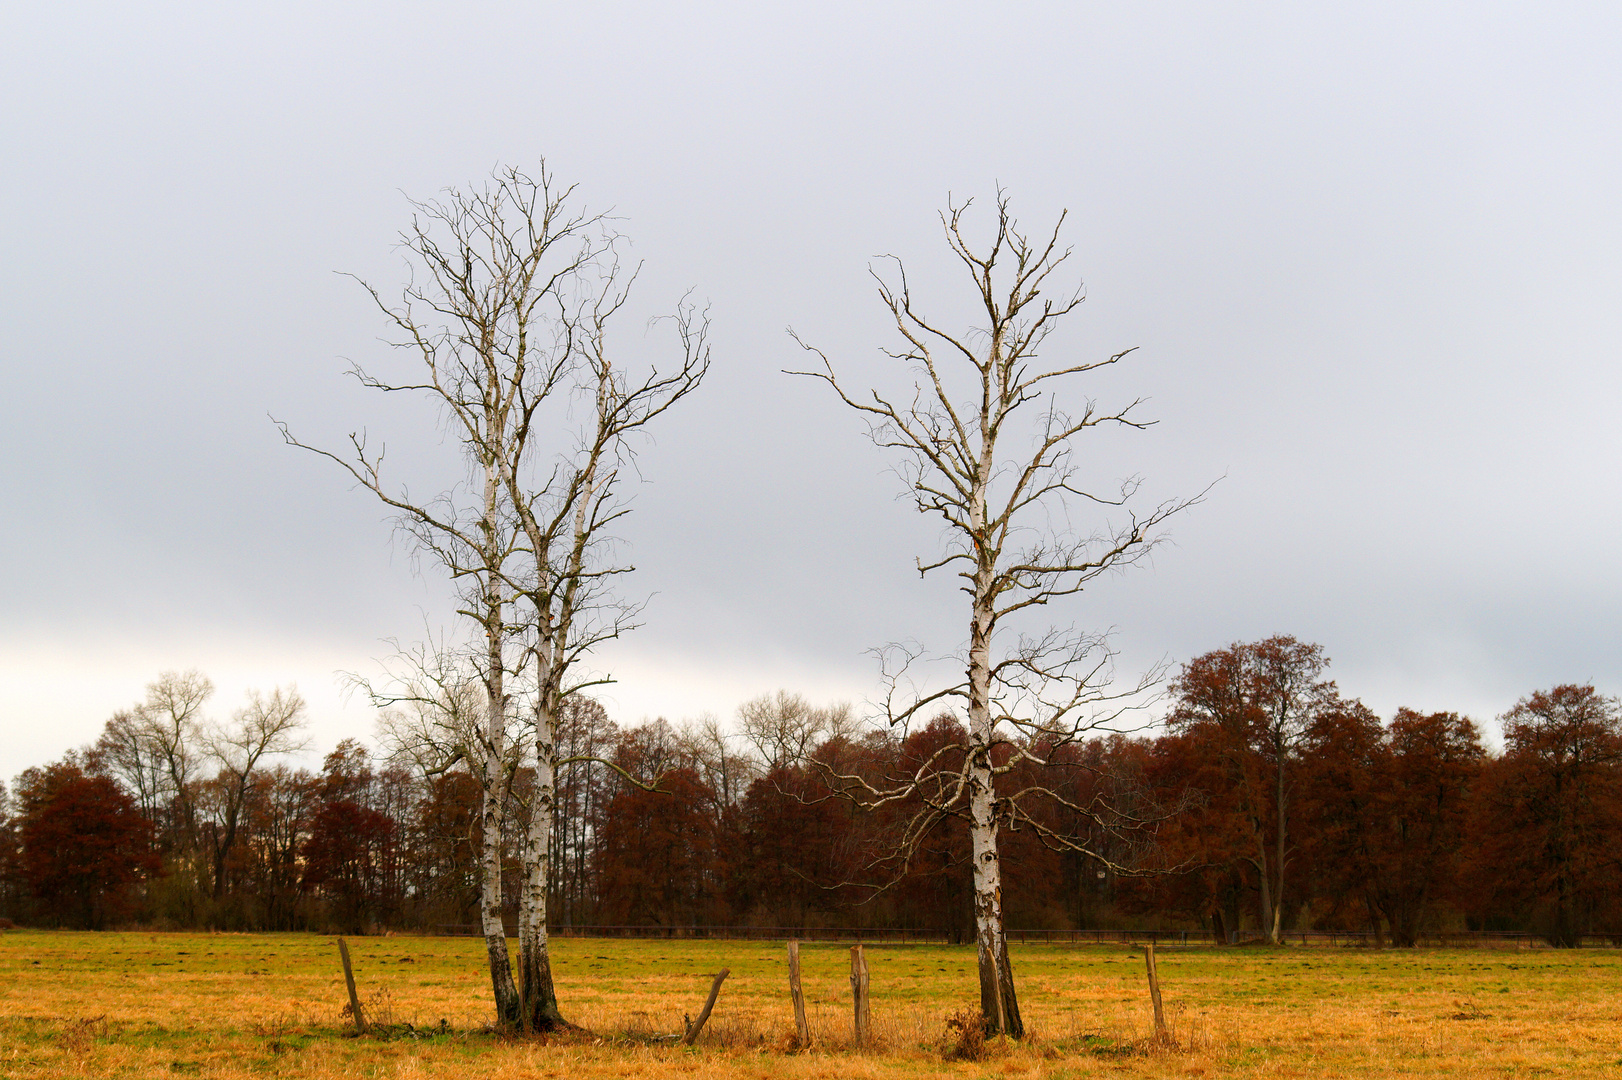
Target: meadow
[[147, 1004]]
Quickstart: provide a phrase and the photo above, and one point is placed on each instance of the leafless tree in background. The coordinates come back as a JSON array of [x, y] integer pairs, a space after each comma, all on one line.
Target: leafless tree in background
[[264, 727], [155, 748], [160, 749], [785, 728], [986, 446]]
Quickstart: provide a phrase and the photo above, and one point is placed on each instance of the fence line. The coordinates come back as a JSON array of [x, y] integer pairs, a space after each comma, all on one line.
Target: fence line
[[926, 935]]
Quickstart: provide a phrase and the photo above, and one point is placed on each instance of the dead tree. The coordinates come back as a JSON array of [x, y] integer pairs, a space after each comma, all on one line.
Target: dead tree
[[565, 513], [508, 320], [985, 445], [265, 726], [489, 267]]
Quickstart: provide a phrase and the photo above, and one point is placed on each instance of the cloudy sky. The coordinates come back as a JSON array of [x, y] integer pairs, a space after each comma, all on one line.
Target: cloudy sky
[[1370, 256]]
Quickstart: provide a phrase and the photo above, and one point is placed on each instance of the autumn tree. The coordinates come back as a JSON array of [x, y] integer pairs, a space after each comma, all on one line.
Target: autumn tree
[[585, 736], [11, 881], [1207, 839], [1249, 707], [988, 447], [352, 852], [1341, 811], [277, 814], [659, 852], [1432, 764], [83, 842], [1551, 810], [792, 839]]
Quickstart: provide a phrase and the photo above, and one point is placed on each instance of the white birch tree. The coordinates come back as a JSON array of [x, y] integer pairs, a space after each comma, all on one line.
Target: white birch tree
[[565, 513], [509, 323], [986, 446], [477, 325]]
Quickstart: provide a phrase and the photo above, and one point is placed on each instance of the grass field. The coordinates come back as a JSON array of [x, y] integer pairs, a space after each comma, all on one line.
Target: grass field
[[241, 1005]]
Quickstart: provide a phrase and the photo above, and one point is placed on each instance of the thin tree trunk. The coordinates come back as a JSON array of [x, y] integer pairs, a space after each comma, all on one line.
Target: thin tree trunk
[[1266, 879], [1278, 857], [540, 1005], [495, 795]]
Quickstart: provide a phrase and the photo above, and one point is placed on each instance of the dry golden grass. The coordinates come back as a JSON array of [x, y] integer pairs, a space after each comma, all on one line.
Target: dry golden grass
[[234, 1006]]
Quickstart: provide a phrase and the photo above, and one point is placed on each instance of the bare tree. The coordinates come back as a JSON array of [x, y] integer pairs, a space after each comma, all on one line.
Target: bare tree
[[509, 323], [265, 726], [125, 751], [708, 746], [986, 447], [786, 727], [492, 264], [154, 747], [565, 515]]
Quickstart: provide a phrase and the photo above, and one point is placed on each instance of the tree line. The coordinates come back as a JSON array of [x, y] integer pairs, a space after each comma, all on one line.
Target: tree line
[[1266, 803]]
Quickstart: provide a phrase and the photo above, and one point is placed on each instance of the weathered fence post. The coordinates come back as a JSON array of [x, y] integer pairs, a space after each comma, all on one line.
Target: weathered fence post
[[1161, 1034], [797, 994], [715, 991], [349, 981], [858, 993]]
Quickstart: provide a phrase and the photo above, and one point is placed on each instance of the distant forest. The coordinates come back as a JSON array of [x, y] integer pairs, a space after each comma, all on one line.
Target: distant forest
[[1264, 800]]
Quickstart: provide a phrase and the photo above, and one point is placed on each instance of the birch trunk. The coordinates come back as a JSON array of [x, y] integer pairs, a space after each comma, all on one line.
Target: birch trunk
[[540, 1003], [540, 1000], [496, 775], [490, 892], [998, 1002]]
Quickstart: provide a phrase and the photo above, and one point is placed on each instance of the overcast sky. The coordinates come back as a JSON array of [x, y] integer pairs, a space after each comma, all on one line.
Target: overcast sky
[[1370, 256]]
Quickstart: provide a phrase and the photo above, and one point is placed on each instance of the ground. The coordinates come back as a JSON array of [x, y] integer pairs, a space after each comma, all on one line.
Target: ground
[[241, 1005]]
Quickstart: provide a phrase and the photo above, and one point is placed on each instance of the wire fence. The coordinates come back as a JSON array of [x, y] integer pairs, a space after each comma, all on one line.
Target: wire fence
[[1450, 939]]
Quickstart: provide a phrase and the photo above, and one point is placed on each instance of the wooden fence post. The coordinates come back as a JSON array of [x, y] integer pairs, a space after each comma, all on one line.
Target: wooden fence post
[[858, 992], [715, 992], [349, 980], [1161, 1034], [798, 994]]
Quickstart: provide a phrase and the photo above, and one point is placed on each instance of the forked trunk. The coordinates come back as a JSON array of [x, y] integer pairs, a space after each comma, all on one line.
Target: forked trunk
[[1265, 880], [490, 902]]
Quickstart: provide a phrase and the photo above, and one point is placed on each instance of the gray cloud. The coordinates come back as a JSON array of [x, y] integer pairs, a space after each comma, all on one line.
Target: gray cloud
[[1371, 259]]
